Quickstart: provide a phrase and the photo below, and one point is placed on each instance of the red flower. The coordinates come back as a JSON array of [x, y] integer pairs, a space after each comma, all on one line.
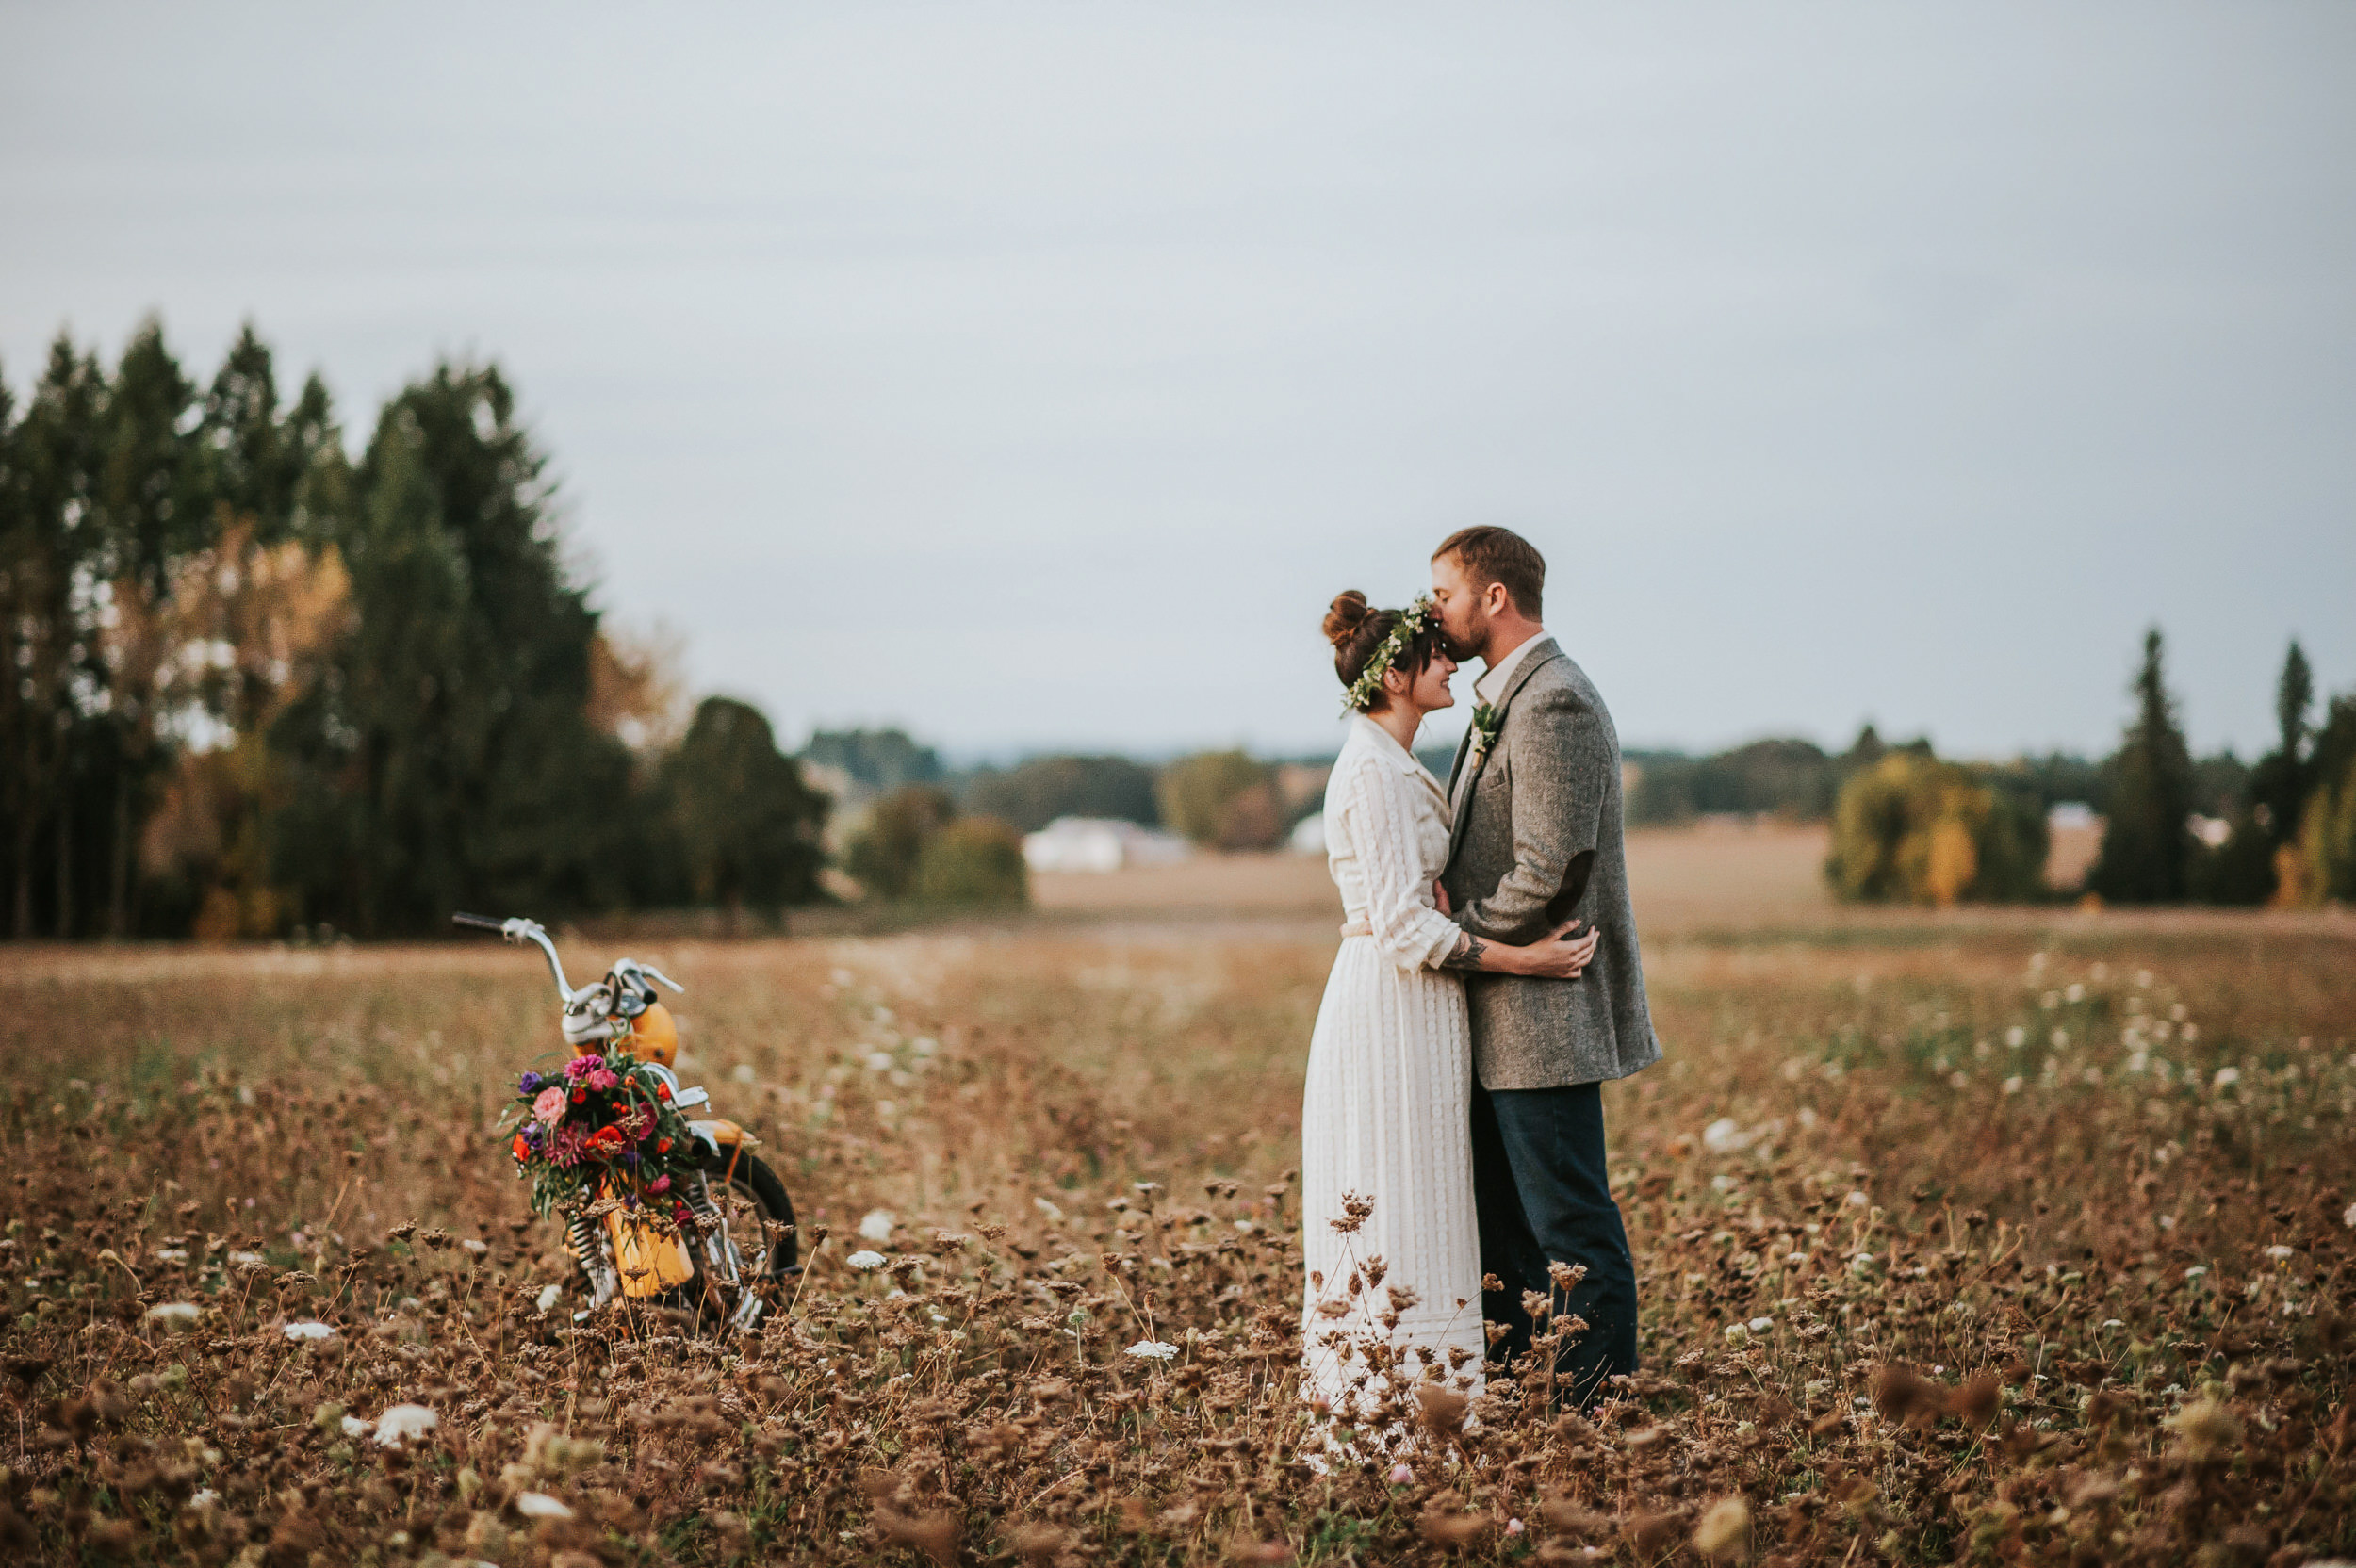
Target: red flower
[[663, 1089], [663, 1146], [522, 1150], [579, 1095]]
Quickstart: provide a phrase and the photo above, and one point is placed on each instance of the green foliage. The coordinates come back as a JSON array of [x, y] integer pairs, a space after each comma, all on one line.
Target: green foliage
[[884, 852], [1783, 777], [399, 718], [877, 760], [1914, 829], [1036, 792], [1223, 798], [747, 826], [973, 860], [2326, 847], [452, 757], [2272, 798], [2147, 853]]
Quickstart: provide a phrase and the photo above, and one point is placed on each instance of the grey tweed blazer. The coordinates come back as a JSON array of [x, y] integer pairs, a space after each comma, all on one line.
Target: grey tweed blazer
[[1542, 809]]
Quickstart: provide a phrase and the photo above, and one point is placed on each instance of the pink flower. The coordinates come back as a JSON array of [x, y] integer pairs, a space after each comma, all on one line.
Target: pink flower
[[579, 1064], [660, 1183], [549, 1106], [601, 1079]]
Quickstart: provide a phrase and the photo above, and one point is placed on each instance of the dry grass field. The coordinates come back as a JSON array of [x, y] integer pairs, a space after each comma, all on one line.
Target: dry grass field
[[2008, 1236]]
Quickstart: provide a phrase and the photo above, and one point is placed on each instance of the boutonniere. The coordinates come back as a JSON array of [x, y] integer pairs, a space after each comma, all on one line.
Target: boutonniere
[[1487, 721]]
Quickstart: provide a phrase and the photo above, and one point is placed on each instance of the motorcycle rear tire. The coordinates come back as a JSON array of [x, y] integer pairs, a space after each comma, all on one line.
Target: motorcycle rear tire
[[762, 1190]]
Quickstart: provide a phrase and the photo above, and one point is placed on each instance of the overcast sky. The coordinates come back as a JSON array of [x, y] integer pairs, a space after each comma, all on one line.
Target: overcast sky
[[1033, 375]]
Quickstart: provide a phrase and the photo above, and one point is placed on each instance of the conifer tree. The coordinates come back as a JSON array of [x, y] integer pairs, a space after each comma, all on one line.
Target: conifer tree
[[2147, 850]]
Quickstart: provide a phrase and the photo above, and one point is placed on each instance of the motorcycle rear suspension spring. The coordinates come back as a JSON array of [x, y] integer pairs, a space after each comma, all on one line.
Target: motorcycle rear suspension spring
[[584, 1233]]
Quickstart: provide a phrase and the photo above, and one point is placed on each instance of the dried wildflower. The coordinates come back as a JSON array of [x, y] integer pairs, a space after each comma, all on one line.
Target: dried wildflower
[[2206, 1428], [934, 1532], [1445, 1528], [1723, 1534]]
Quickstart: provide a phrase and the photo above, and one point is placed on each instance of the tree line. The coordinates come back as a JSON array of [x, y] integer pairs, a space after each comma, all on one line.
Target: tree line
[[1909, 827], [257, 685]]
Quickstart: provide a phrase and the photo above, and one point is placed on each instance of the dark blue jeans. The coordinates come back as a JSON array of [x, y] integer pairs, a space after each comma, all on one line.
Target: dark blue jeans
[[1545, 1196]]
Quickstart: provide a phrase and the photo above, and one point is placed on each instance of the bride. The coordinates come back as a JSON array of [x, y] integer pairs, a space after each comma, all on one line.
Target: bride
[[1393, 1252]]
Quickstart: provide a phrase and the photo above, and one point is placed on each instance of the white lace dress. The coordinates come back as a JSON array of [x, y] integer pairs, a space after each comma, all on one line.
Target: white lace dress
[[1384, 1114]]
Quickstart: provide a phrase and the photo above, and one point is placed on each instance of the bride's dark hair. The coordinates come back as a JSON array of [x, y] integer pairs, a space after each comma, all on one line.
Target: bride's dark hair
[[1357, 631]]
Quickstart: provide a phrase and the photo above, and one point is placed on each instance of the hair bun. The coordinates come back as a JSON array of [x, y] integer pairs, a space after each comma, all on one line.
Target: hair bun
[[1349, 612]]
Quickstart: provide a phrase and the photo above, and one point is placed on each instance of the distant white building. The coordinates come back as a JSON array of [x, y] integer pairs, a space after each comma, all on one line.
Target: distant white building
[[1308, 835], [1100, 843], [2071, 816]]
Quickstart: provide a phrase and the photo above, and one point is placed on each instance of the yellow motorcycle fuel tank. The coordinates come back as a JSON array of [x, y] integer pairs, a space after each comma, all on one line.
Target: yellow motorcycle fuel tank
[[654, 1035]]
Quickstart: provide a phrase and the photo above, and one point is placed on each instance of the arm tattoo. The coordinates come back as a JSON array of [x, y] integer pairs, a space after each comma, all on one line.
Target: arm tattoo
[[1468, 954]]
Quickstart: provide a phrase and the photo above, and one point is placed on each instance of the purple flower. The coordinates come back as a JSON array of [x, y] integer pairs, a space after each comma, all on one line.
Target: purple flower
[[527, 1085]]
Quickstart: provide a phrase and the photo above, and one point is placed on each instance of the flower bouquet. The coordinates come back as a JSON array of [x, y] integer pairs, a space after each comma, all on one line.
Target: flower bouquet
[[604, 1126]]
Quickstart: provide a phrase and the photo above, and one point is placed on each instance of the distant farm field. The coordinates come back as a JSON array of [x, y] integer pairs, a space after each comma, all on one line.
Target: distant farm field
[[2019, 1235]]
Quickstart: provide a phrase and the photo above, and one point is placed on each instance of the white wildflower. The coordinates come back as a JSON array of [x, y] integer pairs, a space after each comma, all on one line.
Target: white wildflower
[[876, 1225], [355, 1427], [539, 1505], [549, 1297], [175, 1315], [1153, 1349], [2226, 1076], [2278, 1252], [1724, 1135], [307, 1331], [400, 1423], [880, 1061], [864, 1259], [2016, 1036], [1760, 1325]]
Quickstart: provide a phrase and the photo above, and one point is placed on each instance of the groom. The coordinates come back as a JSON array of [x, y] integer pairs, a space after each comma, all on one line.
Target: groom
[[1536, 842]]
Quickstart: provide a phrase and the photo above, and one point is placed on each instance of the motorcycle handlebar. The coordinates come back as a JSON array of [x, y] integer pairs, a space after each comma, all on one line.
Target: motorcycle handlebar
[[524, 931]]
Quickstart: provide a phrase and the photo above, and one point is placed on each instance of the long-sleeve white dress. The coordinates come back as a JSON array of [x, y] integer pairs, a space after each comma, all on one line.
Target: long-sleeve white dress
[[1384, 1114]]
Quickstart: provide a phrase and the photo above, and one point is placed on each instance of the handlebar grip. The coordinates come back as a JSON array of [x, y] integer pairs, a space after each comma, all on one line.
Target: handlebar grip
[[483, 923]]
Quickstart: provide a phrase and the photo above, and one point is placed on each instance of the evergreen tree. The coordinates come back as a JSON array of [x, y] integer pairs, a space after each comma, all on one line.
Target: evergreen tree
[[2147, 852], [150, 514], [450, 761], [745, 821], [2282, 781], [47, 625]]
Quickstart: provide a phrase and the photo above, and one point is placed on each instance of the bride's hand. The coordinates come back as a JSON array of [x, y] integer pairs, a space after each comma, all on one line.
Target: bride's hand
[[1439, 899], [1558, 957]]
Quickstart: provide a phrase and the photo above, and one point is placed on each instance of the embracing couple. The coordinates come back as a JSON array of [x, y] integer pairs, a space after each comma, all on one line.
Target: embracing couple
[[1488, 984]]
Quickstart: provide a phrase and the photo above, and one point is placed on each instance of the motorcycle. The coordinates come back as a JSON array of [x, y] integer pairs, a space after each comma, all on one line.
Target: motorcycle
[[731, 1244]]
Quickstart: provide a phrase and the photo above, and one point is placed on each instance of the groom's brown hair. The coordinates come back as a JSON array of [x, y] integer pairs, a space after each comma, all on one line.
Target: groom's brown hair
[[1500, 555]]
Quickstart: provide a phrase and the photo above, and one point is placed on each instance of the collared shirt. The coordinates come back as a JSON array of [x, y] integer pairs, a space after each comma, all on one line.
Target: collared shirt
[[1492, 682], [1488, 688]]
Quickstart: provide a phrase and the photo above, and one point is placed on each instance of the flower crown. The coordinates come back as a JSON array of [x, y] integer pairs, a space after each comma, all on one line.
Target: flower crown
[[1412, 621]]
